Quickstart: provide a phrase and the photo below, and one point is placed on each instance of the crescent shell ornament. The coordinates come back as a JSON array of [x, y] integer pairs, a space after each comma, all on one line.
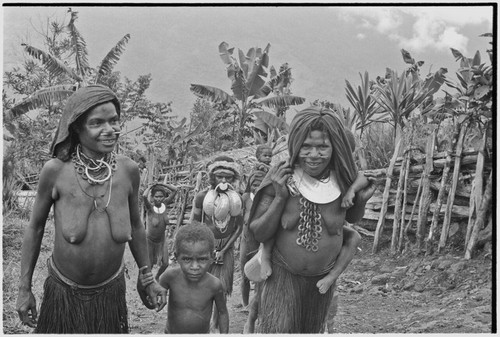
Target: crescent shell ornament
[[235, 203], [221, 207], [209, 202]]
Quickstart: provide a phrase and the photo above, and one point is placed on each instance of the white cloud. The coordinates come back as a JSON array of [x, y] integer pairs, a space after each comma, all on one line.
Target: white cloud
[[360, 36], [432, 27]]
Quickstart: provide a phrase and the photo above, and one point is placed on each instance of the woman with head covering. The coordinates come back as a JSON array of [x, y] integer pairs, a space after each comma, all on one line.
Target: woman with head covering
[[298, 207], [220, 208], [94, 195]]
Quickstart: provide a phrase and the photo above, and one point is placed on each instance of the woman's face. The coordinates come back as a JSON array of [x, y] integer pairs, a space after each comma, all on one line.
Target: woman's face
[[223, 177], [98, 133], [315, 154]]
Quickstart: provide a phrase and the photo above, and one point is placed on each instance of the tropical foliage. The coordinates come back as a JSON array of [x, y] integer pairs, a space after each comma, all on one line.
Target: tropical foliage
[[253, 90]]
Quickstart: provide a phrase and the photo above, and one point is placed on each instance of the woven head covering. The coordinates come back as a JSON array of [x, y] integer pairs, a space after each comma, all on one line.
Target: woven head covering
[[224, 164], [342, 161], [256, 175], [78, 104]]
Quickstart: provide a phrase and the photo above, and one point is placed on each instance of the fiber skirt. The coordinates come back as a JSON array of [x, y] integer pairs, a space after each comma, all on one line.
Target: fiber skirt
[[292, 303], [70, 308]]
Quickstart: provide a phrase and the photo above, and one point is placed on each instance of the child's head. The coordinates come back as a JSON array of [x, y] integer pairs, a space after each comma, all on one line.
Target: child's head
[[255, 180], [264, 154], [194, 248], [158, 194]]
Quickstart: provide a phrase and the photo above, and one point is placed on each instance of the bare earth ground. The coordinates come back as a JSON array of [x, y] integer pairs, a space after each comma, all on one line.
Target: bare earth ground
[[377, 293]]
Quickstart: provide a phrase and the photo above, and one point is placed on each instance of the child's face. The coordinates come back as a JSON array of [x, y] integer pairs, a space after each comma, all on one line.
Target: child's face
[[265, 156], [195, 259], [158, 198]]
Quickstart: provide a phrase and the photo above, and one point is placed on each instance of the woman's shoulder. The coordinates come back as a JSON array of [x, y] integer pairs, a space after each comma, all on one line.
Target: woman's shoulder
[[54, 165]]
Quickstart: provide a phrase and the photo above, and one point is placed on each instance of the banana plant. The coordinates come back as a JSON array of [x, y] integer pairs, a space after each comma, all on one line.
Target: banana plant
[[67, 78], [252, 90]]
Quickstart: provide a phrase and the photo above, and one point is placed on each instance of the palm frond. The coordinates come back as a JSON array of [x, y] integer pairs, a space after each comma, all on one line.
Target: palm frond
[[213, 94], [54, 66], [40, 99], [113, 56]]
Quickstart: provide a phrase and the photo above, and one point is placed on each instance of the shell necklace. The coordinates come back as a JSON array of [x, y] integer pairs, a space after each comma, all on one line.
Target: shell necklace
[[94, 171]]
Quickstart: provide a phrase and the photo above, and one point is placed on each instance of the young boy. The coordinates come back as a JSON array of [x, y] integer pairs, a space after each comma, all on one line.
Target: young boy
[[156, 224], [264, 155], [192, 289]]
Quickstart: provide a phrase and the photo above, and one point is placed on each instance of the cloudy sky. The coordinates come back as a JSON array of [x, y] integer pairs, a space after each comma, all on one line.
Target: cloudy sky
[[323, 45]]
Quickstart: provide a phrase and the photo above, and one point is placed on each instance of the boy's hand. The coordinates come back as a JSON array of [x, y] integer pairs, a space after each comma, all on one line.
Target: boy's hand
[[157, 296], [348, 200]]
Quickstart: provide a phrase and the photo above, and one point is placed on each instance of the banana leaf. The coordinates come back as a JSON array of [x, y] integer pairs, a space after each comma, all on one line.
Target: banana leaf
[[113, 56], [272, 120], [281, 101], [54, 66], [213, 94], [40, 99], [79, 47]]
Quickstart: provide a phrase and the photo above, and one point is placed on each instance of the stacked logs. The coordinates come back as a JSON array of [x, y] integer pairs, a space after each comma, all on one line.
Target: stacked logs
[[420, 192]]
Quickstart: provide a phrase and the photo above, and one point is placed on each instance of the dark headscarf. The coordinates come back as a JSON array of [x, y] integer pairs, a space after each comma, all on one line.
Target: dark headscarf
[[78, 104], [342, 160], [256, 175]]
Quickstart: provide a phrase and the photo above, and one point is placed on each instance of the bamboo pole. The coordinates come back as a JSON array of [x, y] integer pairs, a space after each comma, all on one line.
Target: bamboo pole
[[425, 198], [403, 208], [476, 190], [397, 207], [385, 198], [429, 244], [481, 217], [451, 196]]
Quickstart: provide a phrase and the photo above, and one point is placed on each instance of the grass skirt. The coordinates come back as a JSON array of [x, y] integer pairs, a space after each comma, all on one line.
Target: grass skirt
[[69, 308], [225, 271], [291, 303]]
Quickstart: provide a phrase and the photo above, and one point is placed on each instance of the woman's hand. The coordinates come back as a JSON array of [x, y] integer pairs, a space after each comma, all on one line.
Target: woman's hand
[[279, 174]]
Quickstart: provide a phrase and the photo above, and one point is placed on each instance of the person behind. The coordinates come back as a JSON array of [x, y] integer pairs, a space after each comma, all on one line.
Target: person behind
[[264, 155], [298, 205], [248, 248], [156, 224], [220, 208], [94, 195], [193, 291]]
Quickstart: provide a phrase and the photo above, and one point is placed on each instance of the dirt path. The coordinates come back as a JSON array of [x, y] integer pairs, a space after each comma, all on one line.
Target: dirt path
[[377, 293], [382, 294]]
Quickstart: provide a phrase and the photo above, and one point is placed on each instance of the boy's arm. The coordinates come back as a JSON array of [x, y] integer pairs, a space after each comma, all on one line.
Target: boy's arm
[[350, 244], [356, 212], [220, 306], [360, 182]]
